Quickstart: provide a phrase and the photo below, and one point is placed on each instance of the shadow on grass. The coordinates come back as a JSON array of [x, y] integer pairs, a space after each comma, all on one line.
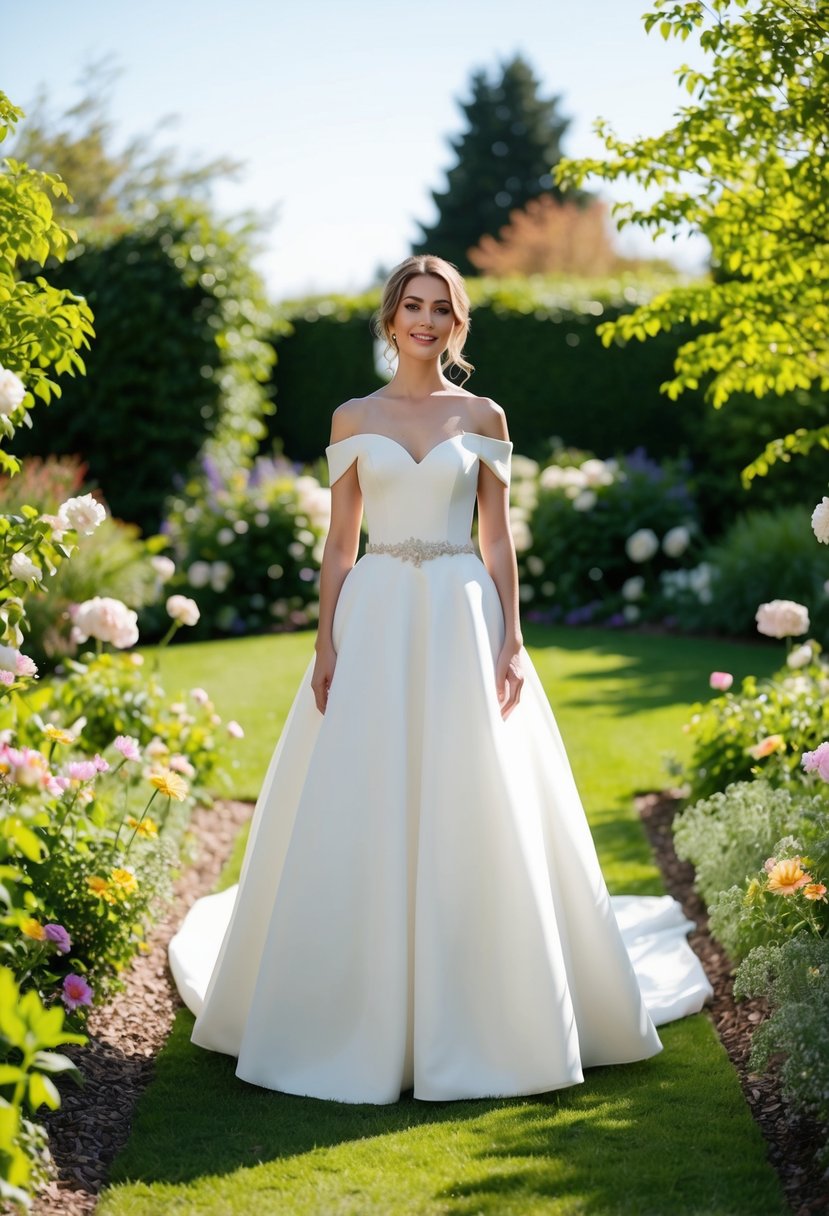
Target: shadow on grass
[[650, 671], [641, 1138]]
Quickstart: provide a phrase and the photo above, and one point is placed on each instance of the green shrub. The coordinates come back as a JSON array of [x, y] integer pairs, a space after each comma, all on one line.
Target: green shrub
[[764, 555], [794, 977], [728, 836], [249, 546], [576, 523], [778, 718]]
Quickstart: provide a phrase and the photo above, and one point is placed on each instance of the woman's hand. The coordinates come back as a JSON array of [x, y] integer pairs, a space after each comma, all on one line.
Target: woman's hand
[[509, 679], [323, 675]]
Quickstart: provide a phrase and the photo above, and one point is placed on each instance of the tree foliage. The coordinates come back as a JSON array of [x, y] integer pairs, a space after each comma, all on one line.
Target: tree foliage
[[512, 138], [42, 329], [549, 236], [745, 165]]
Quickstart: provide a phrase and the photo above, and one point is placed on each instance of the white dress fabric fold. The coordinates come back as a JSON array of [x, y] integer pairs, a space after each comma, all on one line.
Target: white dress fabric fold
[[420, 904]]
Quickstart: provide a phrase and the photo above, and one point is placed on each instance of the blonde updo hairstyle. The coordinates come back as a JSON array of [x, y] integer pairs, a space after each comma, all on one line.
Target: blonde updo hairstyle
[[394, 291]]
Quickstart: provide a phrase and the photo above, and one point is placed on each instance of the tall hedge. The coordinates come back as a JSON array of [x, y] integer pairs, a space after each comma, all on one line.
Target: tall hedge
[[178, 365], [535, 350]]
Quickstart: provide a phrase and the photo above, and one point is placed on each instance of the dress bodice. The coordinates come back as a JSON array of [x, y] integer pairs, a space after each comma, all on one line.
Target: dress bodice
[[433, 498]]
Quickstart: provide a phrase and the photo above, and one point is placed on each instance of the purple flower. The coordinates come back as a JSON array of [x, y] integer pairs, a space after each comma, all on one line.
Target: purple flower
[[58, 935], [82, 770], [127, 746], [616, 620], [76, 992]]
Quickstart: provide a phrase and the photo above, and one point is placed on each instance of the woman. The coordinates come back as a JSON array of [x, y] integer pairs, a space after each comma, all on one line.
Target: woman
[[420, 905]]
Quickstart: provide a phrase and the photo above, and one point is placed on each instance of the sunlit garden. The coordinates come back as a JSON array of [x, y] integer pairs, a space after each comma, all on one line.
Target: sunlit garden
[[164, 513]]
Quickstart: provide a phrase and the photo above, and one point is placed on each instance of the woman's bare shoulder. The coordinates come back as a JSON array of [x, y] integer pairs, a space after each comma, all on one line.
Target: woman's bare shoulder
[[346, 419], [489, 418]]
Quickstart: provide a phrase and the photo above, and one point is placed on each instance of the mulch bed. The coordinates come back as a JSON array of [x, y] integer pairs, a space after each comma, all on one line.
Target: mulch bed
[[791, 1140], [94, 1120]]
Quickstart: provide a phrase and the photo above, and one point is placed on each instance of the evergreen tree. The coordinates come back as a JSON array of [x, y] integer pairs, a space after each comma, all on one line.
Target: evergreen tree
[[504, 158]]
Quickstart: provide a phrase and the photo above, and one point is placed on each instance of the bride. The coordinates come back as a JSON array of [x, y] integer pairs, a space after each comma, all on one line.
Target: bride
[[420, 903]]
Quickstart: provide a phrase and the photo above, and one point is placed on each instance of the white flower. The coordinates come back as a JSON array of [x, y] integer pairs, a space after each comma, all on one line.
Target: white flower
[[585, 500], [107, 619], [234, 729], [164, 567], [641, 545], [820, 521], [631, 613], [523, 468], [225, 536], [676, 541], [200, 695], [552, 478], [8, 658], [597, 473], [220, 575], [83, 514], [801, 656], [633, 588], [198, 574], [521, 535], [182, 609], [782, 619], [24, 568], [535, 564], [12, 391]]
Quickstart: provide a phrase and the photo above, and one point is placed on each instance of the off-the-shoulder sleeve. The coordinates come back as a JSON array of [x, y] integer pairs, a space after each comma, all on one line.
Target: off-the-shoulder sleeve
[[341, 455], [496, 454]]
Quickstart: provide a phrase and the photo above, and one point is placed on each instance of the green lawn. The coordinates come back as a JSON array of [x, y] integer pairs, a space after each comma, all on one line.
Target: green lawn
[[668, 1137]]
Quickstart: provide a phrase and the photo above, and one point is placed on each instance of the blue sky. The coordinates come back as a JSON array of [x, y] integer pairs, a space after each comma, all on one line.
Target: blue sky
[[342, 111]]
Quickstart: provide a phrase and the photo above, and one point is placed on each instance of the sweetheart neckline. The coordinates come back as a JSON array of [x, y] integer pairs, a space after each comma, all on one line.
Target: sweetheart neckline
[[398, 444]]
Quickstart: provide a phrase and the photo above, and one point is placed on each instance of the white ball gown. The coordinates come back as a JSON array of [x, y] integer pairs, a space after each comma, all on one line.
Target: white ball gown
[[420, 904]]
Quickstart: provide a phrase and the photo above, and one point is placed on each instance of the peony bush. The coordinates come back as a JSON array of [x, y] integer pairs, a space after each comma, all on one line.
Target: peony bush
[[594, 537], [250, 547]]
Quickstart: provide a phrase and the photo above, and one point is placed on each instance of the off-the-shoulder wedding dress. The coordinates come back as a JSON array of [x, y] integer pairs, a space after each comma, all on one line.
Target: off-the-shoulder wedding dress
[[420, 904]]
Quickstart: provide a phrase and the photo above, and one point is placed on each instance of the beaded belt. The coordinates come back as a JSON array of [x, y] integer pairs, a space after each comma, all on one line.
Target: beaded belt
[[417, 551]]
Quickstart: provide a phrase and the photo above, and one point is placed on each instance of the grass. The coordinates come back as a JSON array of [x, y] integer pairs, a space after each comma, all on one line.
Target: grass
[[670, 1136]]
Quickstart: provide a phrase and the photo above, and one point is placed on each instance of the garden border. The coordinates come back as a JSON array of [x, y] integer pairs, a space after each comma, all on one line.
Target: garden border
[[791, 1139]]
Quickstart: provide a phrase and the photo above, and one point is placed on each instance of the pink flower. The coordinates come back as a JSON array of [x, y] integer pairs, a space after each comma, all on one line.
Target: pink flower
[[25, 765], [182, 609], [107, 619], [26, 666], [199, 695], [58, 935], [128, 747], [817, 761], [100, 763], [6, 677], [82, 770], [76, 992], [769, 864], [234, 729], [181, 764], [721, 681]]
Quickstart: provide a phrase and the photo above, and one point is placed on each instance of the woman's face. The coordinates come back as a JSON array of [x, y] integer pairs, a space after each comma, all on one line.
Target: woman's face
[[424, 319]]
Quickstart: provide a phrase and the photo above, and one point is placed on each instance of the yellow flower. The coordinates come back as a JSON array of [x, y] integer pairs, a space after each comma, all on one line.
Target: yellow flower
[[57, 735], [170, 783], [815, 890], [772, 743], [34, 929], [787, 877], [124, 880], [143, 827], [101, 888]]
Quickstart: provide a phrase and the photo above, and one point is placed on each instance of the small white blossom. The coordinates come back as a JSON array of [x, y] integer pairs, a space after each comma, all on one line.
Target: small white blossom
[[106, 619], [535, 564], [676, 541], [631, 613], [198, 574], [12, 391], [641, 545], [24, 568], [801, 656], [585, 500], [820, 521], [164, 567], [633, 588], [182, 609], [83, 514], [782, 619]]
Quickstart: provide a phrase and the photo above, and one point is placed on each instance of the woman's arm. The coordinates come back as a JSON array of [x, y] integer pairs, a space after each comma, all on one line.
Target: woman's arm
[[498, 554], [338, 558]]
